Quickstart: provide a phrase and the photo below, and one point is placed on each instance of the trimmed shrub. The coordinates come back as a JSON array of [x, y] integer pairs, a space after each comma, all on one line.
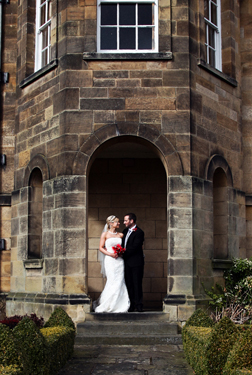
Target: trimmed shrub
[[241, 355], [59, 318], [240, 372], [60, 342], [10, 370], [199, 319], [8, 352], [224, 335], [196, 341], [13, 321], [31, 345], [207, 349]]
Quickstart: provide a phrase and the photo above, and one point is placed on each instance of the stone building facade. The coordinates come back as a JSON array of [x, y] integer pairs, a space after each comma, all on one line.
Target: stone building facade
[[90, 130]]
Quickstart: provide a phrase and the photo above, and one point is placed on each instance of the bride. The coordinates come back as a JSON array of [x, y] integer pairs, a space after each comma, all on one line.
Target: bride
[[114, 298]]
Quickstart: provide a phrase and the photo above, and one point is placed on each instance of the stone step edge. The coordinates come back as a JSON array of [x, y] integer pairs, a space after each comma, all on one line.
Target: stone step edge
[[129, 340]]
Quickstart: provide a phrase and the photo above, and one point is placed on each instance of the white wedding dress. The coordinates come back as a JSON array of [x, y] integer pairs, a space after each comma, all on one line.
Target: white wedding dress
[[114, 298]]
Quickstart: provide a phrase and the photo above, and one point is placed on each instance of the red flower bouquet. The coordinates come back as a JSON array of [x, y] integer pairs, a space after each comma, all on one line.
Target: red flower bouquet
[[118, 249]]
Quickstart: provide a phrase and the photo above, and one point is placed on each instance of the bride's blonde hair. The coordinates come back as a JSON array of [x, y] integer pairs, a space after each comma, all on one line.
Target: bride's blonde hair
[[111, 219]]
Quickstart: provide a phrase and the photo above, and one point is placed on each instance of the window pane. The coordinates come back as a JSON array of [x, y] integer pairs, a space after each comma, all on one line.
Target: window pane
[[211, 37], [206, 9], [214, 14], [145, 38], [108, 38], [49, 10], [42, 15], [127, 38], [44, 58], [211, 57], [127, 14], [108, 14], [145, 14], [44, 38]]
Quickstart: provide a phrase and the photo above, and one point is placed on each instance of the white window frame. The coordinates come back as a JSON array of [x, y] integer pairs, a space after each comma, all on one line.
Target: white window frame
[[217, 35], [38, 40], [136, 50]]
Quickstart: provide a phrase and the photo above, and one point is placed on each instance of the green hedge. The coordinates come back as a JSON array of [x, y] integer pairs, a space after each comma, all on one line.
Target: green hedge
[[59, 318], [199, 319], [8, 352], [27, 350], [207, 349], [196, 341], [240, 372], [31, 345], [241, 355], [60, 343], [10, 370]]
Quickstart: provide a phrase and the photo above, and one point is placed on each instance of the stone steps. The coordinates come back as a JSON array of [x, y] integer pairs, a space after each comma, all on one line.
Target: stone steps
[[128, 329]]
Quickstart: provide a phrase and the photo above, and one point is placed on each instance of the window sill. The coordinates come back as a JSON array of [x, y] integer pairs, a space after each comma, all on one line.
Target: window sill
[[33, 263], [217, 73], [39, 73], [127, 56], [221, 264]]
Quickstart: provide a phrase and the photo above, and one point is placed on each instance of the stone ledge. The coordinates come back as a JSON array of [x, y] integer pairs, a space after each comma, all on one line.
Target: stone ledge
[[33, 263], [36, 75], [50, 298], [127, 56], [5, 199], [221, 264], [217, 73]]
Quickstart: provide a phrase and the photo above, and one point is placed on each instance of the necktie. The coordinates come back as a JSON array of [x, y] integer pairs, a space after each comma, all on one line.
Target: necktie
[[127, 237]]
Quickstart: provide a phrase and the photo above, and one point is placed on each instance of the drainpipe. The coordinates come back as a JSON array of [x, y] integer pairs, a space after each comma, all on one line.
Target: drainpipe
[[4, 76]]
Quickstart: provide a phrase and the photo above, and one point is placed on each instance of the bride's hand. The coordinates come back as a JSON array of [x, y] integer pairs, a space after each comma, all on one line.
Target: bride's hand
[[114, 255]]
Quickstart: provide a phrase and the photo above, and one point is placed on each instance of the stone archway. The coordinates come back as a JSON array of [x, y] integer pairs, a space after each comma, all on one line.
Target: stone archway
[[93, 160]]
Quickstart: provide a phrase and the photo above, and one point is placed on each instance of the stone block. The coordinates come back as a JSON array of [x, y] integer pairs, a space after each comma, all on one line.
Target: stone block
[[48, 244], [180, 184], [93, 254], [180, 200], [184, 312], [182, 285], [33, 284], [69, 243], [150, 103], [74, 266], [159, 285], [178, 267], [180, 243], [154, 255], [102, 104], [153, 270], [153, 244], [76, 122], [181, 218], [95, 284], [75, 199], [51, 266], [74, 285], [159, 200], [80, 78], [69, 184], [93, 213], [67, 98]]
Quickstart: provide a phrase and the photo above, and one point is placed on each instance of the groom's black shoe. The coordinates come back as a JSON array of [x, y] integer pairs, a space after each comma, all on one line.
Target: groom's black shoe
[[139, 309], [131, 309]]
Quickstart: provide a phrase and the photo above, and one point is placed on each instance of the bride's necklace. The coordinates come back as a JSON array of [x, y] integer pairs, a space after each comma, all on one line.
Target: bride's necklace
[[113, 232]]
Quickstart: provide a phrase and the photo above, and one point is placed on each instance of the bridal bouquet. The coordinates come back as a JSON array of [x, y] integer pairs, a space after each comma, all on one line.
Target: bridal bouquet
[[118, 249]]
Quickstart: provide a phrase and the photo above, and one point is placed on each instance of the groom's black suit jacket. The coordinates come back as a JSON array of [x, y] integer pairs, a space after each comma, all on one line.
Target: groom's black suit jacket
[[133, 255]]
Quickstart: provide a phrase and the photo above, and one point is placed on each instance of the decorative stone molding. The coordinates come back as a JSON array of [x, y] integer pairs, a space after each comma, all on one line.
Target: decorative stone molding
[[38, 161], [218, 161], [143, 134]]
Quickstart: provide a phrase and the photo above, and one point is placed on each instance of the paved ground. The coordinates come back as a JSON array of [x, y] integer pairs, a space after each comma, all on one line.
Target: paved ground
[[127, 360]]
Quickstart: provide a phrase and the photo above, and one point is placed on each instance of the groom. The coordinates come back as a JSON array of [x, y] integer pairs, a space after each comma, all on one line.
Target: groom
[[133, 238]]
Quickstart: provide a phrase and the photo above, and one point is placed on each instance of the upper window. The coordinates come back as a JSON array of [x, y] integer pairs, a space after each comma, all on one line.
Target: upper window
[[212, 17], [43, 33], [127, 26]]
